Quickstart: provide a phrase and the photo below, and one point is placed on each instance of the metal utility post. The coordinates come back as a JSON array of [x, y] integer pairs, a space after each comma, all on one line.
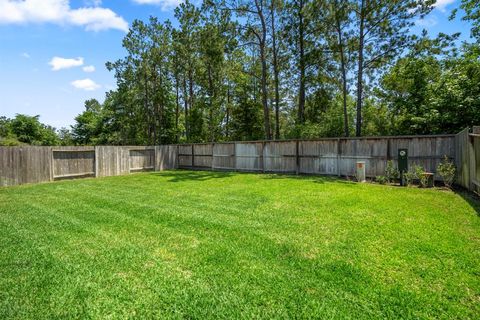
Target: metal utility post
[[402, 163]]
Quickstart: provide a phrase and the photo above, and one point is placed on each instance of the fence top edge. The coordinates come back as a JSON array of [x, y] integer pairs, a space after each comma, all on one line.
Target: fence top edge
[[321, 139], [59, 148]]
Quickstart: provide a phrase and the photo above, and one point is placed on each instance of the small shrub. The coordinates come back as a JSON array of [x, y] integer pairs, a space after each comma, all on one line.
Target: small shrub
[[409, 177], [381, 179], [416, 172], [446, 169], [391, 173], [422, 177]]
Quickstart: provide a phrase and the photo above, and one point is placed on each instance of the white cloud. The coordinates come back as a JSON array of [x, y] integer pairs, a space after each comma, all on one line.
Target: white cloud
[[25, 55], [59, 12], [85, 84], [58, 63], [442, 4], [164, 4], [89, 68]]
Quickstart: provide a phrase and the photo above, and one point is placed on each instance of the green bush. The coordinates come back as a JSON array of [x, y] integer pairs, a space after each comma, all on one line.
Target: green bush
[[391, 173], [446, 169], [381, 179], [409, 177], [416, 172], [421, 176]]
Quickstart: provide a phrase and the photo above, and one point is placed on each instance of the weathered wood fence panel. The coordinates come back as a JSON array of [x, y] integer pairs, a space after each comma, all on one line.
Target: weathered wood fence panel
[[165, 157], [69, 162], [142, 158], [112, 161], [224, 156], [462, 158], [280, 156], [203, 155], [318, 157], [249, 156], [20, 165], [185, 156]]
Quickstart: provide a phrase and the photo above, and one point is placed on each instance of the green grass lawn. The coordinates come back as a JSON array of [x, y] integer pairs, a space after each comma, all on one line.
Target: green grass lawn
[[181, 244]]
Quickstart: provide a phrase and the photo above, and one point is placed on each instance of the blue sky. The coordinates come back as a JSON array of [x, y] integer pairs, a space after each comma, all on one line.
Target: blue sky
[[53, 52]]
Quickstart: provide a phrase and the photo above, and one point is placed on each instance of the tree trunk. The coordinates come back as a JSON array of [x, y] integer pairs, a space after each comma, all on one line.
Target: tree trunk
[[301, 43], [227, 111], [185, 101], [275, 71], [266, 111], [343, 70], [177, 107], [263, 59], [210, 114], [358, 130]]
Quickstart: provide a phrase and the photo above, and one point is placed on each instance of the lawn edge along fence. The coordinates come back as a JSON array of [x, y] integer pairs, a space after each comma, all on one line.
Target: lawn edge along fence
[[328, 156]]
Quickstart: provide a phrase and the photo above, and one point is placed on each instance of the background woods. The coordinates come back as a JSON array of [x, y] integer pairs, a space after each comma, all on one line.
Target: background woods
[[273, 69]]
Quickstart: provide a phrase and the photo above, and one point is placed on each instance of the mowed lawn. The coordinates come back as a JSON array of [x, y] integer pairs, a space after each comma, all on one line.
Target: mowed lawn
[[182, 244]]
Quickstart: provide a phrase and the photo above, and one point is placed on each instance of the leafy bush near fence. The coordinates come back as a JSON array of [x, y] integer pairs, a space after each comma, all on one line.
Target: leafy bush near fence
[[381, 179], [391, 173], [446, 169]]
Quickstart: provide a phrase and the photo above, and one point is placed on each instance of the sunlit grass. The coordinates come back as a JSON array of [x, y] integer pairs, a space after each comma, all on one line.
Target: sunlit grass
[[183, 244]]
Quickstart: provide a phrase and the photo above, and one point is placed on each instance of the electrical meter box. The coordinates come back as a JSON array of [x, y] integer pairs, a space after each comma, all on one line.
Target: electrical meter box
[[403, 160]]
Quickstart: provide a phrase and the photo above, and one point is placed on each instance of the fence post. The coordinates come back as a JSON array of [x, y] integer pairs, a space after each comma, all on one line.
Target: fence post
[[339, 151], [193, 156], [52, 162], [235, 156], [297, 157], [213, 146], [95, 160], [177, 157], [263, 156]]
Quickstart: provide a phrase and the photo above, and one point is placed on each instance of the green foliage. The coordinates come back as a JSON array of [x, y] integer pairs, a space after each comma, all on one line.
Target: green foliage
[[9, 142], [391, 172], [446, 169], [416, 173], [382, 179], [422, 176], [28, 130], [227, 68], [425, 95]]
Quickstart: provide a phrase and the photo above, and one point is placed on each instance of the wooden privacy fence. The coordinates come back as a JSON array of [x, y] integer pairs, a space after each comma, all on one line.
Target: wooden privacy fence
[[330, 156], [467, 159], [324, 156], [20, 165]]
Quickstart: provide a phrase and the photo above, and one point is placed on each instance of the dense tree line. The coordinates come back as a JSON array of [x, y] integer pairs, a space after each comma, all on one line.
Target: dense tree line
[[28, 130], [274, 69]]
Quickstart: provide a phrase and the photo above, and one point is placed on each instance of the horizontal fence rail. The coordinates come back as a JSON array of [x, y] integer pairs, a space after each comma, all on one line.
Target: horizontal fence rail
[[329, 156]]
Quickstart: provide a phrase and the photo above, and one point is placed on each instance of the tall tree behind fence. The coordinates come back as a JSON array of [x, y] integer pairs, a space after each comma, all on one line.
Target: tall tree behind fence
[[333, 156]]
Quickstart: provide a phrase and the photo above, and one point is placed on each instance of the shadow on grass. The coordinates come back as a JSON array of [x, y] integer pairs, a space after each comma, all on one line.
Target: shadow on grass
[[308, 177], [472, 199], [180, 175], [199, 175]]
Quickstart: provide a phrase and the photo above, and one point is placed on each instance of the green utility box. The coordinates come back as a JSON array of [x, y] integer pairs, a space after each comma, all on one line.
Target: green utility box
[[402, 163]]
